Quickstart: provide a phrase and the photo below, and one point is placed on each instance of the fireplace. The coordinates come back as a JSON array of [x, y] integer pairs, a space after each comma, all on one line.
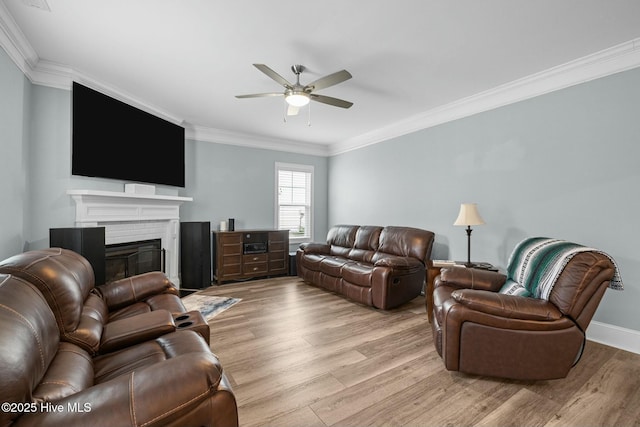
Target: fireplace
[[131, 217], [131, 258]]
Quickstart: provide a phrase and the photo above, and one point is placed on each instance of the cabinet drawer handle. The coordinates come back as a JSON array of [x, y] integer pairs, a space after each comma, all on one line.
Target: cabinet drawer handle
[[255, 258], [255, 268]]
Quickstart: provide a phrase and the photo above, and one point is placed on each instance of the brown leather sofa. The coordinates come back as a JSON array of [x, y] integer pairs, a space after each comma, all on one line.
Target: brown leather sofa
[[382, 267], [104, 318], [478, 330], [173, 380], [53, 373]]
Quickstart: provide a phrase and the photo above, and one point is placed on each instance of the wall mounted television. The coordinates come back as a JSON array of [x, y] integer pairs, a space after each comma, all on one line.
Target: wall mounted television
[[111, 139]]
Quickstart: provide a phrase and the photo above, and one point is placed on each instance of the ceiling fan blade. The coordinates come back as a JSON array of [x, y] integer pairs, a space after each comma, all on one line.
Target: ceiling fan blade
[[275, 76], [331, 101], [260, 95], [330, 80], [292, 110]]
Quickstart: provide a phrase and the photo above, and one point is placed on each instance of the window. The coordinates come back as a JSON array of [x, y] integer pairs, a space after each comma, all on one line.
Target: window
[[294, 187]]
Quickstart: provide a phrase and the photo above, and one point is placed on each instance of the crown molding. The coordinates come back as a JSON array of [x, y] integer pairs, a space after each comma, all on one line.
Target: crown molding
[[622, 57], [219, 136], [15, 43], [609, 61]]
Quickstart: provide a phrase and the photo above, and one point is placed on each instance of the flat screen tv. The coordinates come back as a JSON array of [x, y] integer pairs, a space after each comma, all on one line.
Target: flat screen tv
[[111, 139]]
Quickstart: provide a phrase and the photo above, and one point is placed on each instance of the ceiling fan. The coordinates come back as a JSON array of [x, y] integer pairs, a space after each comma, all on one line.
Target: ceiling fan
[[298, 95]]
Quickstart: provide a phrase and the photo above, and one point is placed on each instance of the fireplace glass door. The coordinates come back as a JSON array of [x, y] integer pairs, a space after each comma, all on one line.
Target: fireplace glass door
[[128, 259]]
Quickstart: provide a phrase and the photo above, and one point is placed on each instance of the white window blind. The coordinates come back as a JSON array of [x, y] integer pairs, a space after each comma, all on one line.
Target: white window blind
[[294, 199]]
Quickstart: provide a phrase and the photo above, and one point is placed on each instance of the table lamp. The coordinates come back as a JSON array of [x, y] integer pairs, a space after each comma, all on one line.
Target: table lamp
[[468, 216]]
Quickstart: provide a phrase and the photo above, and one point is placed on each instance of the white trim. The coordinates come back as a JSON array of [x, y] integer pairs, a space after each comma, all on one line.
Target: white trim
[[14, 42], [298, 168], [614, 336], [622, 57], [609, 61], [219, 136]]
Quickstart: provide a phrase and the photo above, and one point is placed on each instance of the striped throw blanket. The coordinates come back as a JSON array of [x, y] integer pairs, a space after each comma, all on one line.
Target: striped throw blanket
[[536, 263]]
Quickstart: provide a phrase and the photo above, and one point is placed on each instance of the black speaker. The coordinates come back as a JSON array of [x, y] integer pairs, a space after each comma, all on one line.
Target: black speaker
[[87, 241], [195, 255], [293, 270]]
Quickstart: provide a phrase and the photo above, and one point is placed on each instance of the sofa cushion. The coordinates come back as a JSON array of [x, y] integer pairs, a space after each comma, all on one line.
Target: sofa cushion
[[362, 255], [358, 273], [64, 278], [332, 265], [407, 242], [168, 302], [342, 238], [70, 372], [312, 261], [367, 238], [342, 235], [112, 365]]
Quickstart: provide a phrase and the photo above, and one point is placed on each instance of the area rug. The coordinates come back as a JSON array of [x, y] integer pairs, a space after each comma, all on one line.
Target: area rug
[[209, 305]]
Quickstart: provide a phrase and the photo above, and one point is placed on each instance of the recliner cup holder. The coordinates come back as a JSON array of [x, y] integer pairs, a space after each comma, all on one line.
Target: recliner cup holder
[[185, 324], [182, 317]]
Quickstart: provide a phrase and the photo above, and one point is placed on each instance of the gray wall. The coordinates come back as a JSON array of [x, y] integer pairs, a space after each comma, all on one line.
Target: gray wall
[[14, 118], [561, 165], [228, 181]]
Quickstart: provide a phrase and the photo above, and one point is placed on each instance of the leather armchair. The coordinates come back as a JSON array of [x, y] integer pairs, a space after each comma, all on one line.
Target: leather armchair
[[102, 319], [174, 380], [478, 330]]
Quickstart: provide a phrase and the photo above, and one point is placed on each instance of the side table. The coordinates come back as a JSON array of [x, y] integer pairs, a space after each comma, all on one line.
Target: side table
[[434, 270]]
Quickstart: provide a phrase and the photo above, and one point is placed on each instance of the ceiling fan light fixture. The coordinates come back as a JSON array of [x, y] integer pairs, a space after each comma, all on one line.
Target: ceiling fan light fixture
[[297, 99]]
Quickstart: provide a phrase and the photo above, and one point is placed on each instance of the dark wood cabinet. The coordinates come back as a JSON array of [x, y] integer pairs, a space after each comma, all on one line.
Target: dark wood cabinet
[[245, 254]]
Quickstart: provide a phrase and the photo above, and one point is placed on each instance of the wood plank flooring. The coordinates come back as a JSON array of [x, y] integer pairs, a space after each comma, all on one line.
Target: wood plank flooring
[[297, 355]]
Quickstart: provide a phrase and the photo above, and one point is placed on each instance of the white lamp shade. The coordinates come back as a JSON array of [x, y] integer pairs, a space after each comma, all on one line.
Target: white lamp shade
[[297, 99], [469, 215]]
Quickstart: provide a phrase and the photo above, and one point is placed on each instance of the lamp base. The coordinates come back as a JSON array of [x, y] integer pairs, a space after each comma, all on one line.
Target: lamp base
[[478, 265]]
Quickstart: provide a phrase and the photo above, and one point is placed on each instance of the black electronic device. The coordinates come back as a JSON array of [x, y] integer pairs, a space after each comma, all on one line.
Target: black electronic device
[[255, 248], [111, 139], [195, 255], [87, 241]]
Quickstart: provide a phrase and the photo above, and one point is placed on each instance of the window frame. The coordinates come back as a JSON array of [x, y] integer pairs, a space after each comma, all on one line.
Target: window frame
[[295, 167]]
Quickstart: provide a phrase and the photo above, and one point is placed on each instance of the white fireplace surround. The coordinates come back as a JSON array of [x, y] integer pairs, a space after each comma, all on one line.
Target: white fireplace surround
[[130, 217]]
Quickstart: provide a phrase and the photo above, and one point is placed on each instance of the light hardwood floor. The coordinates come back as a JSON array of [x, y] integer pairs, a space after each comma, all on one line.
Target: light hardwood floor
[[297, 355]]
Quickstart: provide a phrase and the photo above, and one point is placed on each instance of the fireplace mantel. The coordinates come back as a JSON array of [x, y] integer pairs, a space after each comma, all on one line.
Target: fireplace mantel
[[93, 206], [129, 217]]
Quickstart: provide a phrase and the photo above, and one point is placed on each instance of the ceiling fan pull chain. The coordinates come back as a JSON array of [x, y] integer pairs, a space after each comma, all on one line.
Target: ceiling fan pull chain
[[309, 119]]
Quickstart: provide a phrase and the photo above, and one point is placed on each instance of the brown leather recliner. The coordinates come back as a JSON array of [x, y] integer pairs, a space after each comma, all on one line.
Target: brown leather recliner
[[106, 318], [173, 380], [383, 267], [479, 330]]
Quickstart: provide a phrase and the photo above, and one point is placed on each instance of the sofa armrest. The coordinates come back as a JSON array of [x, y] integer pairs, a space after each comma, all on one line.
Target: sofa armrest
[[160, 394], [315, 248], [123, 292], [471, 278], [399, 263], [136, 329], [509, 306]]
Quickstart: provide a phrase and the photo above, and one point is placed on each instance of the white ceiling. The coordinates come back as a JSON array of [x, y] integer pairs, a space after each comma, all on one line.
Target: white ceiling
[[187, 59]]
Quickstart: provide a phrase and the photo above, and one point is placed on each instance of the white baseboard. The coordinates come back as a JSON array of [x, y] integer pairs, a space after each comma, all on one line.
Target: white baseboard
[[614, 336]]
